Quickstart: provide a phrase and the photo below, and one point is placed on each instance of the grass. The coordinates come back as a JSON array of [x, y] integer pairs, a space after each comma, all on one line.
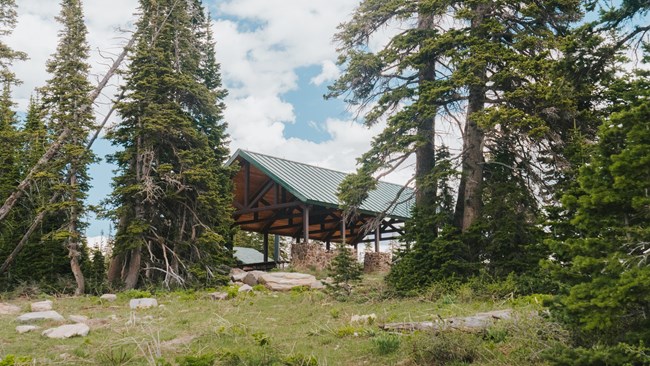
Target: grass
[[265, 328]]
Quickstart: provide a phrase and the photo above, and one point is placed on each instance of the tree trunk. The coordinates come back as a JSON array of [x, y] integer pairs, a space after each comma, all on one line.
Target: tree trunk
[[133, 269], [425, 158], [468, 205], [115, 269], [73, 240]]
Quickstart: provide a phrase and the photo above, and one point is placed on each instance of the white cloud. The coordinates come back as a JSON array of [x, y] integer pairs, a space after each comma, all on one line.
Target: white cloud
[[329, 72], [262, 46]]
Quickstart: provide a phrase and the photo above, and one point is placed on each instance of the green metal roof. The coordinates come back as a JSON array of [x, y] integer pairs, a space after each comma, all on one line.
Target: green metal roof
[[248, 255], [315, 185]]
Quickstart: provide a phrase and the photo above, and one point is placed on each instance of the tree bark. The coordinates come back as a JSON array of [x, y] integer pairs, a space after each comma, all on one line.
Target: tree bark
[[468, 205], [73, 241], [133, 269]]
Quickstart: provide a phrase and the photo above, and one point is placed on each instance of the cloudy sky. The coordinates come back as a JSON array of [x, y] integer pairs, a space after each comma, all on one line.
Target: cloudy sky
[[277, 59]]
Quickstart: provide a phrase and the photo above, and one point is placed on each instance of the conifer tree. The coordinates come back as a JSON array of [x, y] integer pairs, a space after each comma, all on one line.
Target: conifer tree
[[604, 268], [489, 66], [66, 98], [172, 195]]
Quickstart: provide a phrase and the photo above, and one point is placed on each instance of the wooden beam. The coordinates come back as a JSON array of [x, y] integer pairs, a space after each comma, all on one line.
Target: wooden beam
[[377, 239], [266, 247], [260, 194], [305, 223], [267, 208]]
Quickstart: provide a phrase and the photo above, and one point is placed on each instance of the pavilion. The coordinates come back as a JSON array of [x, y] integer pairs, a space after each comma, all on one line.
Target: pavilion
[[287, 198]]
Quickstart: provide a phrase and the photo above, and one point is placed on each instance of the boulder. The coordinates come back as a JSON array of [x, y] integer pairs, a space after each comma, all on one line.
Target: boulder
[[245, 288], [108, 297], [219, 296], [237, 275], [78, 318], [8, 309], [317, 285], [41, 306], [284, 281], [67, 331], [26, 328], [41, 315], [252, 277], [143, 303]]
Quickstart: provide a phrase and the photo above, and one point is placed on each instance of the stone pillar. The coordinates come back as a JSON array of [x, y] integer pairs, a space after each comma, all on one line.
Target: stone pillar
[[376, 262]]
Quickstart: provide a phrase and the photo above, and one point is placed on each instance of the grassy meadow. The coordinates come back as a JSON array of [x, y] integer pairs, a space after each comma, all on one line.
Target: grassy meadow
[[301, 327]]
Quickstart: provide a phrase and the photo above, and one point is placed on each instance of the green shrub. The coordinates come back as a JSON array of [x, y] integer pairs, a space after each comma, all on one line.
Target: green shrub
[[600, 355], [386, 344], [134, 294], [205, 360], [445, 348], [297, 359]]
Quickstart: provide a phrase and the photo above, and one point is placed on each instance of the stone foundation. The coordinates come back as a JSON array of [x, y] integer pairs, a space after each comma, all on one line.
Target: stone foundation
[[376, 262], [310, 256], [313, 256]]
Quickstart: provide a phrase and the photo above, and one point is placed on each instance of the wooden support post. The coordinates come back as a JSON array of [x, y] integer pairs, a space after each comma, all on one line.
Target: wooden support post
[[305, 223], [377, 239], [266, 247], [327, 245], [276, 248]]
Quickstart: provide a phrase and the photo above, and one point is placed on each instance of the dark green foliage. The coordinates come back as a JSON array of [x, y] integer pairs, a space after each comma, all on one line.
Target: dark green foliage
[[345, 270], [434, 250], [507, 237], [172, 196], [95, 273], [604, 267], [205, 360]]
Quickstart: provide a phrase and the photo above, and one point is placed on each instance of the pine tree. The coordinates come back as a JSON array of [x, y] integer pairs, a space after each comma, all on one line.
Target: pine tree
[[491, 63], [66, 98], [604, 268], [345, 270], [172, 196]]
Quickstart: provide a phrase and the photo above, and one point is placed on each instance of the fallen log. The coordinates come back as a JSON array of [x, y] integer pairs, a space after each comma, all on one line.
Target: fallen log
[[475, 322]]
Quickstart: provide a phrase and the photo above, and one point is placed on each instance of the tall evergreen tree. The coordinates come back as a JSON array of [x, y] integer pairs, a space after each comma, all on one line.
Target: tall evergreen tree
[[604, 267], [492, 63], [66, 99], [171, 197]]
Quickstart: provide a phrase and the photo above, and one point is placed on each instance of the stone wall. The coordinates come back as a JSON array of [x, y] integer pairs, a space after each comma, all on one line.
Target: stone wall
[[310, 256], [313, 256], [376, 262]]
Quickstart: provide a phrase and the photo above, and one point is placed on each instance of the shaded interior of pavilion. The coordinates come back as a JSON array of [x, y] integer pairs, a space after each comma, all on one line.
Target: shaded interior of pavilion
[[279, 197]]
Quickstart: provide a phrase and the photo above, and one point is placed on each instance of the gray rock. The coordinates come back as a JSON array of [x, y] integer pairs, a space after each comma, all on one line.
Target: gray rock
[[219, 296], [78, 318], [26, 328], [252, 277], [41, 306], [237, 275], [67, 331], [8, 309], [41, 315], [317, 285], [284, 281], [109, 297], [144, 303], [245, 288]]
